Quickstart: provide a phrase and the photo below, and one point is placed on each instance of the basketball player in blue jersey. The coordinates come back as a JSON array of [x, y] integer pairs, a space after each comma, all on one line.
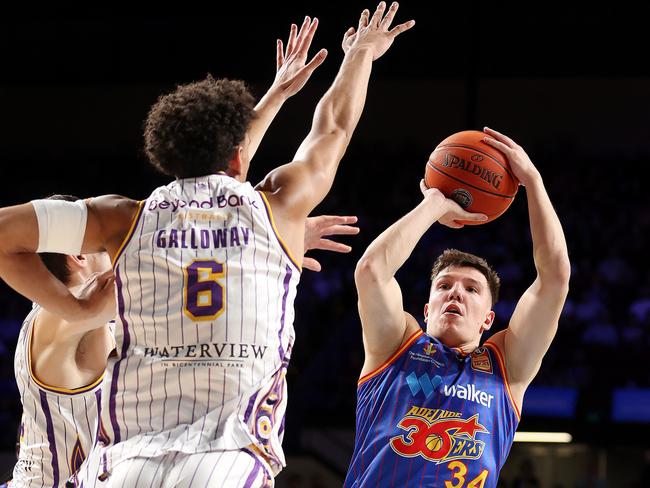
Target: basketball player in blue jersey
[[437, 409], [205, 271]]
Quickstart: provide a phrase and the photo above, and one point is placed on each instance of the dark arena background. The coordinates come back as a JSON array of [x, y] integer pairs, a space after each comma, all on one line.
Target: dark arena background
[[571, 85]]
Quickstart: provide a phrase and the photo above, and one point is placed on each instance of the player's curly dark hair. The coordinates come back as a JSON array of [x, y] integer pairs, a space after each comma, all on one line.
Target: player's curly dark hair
[[454, 257], [194, 130]]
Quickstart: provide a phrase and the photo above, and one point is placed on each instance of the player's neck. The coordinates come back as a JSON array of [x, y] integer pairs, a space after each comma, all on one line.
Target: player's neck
[[462, 346]]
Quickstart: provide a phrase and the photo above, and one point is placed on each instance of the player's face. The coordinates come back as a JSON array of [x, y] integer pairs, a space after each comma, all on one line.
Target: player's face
[[459, 306]]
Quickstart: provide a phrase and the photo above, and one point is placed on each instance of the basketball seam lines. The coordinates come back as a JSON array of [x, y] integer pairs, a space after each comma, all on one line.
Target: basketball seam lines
[[469, 184]]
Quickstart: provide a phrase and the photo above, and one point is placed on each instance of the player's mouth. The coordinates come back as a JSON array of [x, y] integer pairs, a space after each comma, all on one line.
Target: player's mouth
[[452, 309]]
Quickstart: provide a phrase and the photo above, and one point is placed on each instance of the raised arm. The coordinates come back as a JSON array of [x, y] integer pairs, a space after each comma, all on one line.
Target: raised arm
[[107, 221], [385, 323], [292, 72], [294, 189], [535, 319]]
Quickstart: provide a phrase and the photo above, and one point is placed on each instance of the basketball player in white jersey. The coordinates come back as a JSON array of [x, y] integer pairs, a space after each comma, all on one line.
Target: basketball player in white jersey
[[59, 365], [206, 274]]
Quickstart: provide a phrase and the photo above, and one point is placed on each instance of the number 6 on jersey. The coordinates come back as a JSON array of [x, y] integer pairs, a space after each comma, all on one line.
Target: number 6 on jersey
[[204, 296]]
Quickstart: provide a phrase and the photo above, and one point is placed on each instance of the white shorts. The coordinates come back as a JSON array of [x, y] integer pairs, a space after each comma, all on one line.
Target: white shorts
[[227, 469]]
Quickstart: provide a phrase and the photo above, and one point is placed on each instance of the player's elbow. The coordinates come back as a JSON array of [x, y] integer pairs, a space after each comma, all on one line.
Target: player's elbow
[[556, 274], [368, 270], [561, 271], [564, 270]]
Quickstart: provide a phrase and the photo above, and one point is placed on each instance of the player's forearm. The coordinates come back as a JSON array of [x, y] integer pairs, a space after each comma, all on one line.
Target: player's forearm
[[549, 244], [391, 249], [26, 273], [341, 107], [265, 111], [22, 269]]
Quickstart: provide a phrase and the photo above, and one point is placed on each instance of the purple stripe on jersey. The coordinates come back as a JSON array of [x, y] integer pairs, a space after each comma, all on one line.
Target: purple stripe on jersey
[[225, 223], [153, 274], [287, 279], [125, 346], [136, 220], [50, 438], [275, 231], [252, 217], [241, 288], [98, 397], [193, 419], [257, 467], [249, 408], [281, 430], [268, 300]]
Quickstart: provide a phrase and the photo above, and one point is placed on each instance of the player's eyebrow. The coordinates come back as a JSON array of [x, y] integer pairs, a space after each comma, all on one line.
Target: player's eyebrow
[[465, 279]]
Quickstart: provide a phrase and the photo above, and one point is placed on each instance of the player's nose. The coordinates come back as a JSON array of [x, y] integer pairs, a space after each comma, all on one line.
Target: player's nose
[[456, 292]]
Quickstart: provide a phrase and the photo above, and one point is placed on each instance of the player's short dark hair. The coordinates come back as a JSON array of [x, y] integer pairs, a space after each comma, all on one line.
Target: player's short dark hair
[[454, 257], [194, 130], [55, 262]]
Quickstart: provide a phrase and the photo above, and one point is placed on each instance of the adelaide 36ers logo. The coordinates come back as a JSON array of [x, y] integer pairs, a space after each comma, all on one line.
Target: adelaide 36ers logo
[[439, 437]]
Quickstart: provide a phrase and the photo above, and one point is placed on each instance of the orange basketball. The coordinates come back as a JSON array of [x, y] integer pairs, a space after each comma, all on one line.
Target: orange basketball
[[473, 174]]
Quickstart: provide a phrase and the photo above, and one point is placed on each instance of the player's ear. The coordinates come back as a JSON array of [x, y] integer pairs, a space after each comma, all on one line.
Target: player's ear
[[426, 312], [77, 262], [489, 320], [235, 165]]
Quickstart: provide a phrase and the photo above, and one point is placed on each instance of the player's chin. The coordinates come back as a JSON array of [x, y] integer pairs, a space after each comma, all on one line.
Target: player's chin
[[452, 318]]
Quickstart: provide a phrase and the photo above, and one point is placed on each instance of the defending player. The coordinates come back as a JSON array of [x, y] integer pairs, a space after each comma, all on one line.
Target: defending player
[[59, 365], [435, 409], [205, 284]]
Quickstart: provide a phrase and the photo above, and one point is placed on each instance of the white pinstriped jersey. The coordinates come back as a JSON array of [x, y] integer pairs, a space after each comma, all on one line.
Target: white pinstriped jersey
[[205, 325], [58, 425]]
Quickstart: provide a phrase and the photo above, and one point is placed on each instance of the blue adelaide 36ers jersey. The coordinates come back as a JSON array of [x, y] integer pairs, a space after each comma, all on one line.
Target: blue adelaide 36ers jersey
[[430, 416]]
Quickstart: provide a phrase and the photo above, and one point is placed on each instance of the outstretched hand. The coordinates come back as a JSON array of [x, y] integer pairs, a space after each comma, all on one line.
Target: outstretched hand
[[292, 69], [374, 32], [316, 228], [454, 214]]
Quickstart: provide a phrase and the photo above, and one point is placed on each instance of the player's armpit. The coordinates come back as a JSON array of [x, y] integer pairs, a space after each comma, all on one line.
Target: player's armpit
[[109, 220]]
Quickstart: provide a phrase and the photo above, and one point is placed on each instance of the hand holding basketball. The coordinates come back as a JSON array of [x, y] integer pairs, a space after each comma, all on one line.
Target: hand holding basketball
[[520, 164], [454, 217], [473, 173]]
